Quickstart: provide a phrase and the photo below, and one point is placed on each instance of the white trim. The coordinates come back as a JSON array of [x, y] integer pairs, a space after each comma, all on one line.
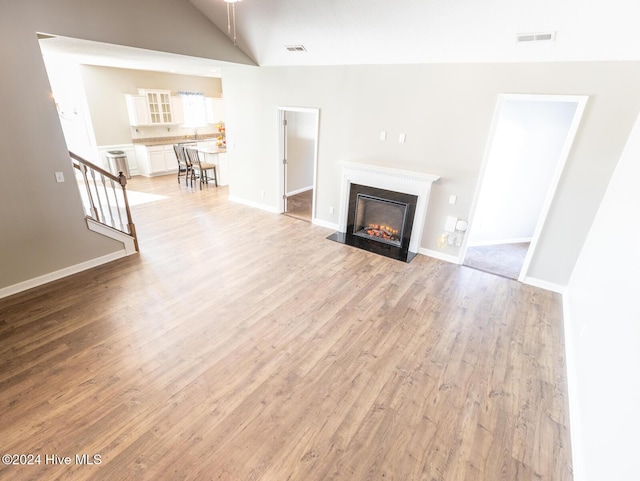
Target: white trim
[[126, 239], [407, 182], [299, 191], [257, 205], [324, 223], [522, 240], [575, 425], [581, 101], [439, 255], [549, 286], [59, 274], [281, 110]]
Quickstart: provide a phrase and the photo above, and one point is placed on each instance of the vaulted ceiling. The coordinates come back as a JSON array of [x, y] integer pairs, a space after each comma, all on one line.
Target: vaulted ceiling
[[423, 31], [356, 32]]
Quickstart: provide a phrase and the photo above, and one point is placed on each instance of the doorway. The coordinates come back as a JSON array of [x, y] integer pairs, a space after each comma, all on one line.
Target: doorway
[[530, 141], [299, 152]]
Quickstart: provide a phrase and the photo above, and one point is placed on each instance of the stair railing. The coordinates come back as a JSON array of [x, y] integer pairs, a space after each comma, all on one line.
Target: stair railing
[[104, 196]]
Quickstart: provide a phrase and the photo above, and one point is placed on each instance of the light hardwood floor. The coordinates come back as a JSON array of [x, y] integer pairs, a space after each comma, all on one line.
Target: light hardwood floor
[[241, 345]]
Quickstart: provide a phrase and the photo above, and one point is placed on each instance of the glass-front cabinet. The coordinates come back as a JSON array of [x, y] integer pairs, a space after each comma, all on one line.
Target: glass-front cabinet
[[159, 102], [154, 107]]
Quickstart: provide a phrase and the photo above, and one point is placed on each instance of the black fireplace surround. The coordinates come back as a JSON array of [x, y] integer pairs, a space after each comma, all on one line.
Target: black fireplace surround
[[379, 221]]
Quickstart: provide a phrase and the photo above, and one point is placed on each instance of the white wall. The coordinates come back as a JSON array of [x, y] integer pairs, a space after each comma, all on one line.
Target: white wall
[[446, 111], [603, 332], [527, 143]]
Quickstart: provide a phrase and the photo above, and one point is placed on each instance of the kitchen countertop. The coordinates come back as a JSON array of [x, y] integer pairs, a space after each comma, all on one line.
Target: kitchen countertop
[[150, 142], [212, 150]]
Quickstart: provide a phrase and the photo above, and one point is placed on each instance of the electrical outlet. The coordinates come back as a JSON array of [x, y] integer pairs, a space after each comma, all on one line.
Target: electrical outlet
[[59, 177], [331, 210]]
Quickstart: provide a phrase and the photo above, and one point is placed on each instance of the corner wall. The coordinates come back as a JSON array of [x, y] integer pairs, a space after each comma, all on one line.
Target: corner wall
[[603, 332]]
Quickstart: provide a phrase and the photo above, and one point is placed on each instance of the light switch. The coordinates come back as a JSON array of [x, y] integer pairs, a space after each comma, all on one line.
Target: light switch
[[452, 199], [59, 177], [383, 135], [402, 138]]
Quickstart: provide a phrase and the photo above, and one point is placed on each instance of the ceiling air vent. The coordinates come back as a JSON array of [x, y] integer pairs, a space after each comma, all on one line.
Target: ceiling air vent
[[295, 48], [535, 37]]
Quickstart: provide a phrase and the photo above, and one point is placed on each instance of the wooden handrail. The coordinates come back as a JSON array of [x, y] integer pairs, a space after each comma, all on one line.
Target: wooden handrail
[[96, 207]]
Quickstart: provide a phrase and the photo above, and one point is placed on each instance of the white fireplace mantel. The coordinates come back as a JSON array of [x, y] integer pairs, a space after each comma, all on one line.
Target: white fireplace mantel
[[407, 182]]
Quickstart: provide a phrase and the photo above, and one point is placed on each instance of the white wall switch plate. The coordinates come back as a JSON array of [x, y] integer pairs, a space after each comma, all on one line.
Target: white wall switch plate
[[383, 135], [59, 177], [402, 138], [452, 199]]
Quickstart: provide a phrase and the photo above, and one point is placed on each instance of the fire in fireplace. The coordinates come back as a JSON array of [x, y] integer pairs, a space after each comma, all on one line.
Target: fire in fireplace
[[379, 221]]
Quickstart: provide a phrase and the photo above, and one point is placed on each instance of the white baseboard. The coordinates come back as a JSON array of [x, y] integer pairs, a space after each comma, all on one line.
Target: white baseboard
[[549, 286], [440, 255], [324, 223], [520, 240], [59, 274], [575, 426], [299, 191], [257, 205]]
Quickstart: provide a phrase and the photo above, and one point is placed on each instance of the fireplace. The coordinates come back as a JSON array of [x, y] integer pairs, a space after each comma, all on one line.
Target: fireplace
[[383, 210]]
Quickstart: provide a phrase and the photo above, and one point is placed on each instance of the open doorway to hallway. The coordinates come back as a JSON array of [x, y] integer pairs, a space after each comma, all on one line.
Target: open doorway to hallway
[[298, 147], [531, 139]]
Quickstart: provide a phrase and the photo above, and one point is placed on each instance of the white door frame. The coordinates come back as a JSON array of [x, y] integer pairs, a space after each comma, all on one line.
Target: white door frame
[[281, 154], [581, 101]]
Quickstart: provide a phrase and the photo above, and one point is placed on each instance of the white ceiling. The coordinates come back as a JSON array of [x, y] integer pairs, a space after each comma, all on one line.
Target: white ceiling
[[342, 32], [336, 32]]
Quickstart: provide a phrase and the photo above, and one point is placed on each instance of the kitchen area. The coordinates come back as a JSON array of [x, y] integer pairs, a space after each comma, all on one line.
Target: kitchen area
[[139, 115]]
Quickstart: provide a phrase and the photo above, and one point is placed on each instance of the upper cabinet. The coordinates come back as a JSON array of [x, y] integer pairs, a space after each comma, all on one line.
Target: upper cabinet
[[159, 102], [215, 110], [138, 110], [154, 107]]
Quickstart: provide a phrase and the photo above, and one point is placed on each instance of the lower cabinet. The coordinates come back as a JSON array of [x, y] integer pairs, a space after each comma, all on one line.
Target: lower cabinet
[[156, 159]]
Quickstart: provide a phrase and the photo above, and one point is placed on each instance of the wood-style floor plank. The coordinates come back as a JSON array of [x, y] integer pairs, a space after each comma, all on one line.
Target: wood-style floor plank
[[242, 345]]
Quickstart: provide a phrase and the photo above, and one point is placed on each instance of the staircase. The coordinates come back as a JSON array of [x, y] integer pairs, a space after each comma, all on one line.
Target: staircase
[[104, 197]]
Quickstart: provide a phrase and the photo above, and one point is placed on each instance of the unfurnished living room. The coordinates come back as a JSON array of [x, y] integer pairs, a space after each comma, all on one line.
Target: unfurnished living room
[[211, 337]]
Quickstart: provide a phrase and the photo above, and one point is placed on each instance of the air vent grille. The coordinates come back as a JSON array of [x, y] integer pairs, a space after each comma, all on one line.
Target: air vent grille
[[536, 37], [295, 48]]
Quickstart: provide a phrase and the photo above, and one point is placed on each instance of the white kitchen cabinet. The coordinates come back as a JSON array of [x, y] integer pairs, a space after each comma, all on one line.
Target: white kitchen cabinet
[[215, 110], [223, 169], [154, 107], [211, 153], [138, 110], [159, 102], [156, 159], [177, 109]]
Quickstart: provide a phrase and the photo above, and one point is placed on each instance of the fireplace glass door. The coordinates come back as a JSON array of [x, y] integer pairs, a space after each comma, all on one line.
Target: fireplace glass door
[[380, 219]]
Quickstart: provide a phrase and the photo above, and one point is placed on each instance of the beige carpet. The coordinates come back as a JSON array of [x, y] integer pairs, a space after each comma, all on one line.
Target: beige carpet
[[503, 260]]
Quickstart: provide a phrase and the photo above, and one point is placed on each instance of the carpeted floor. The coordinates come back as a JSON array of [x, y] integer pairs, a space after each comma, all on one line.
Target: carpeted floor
[[503, 260]]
